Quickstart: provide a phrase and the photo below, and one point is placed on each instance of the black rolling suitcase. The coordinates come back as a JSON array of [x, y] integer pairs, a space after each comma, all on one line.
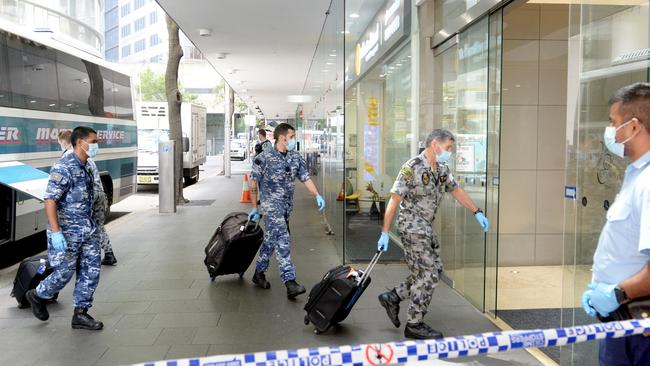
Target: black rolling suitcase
[[233, 246], [28, 278], [331, 300]]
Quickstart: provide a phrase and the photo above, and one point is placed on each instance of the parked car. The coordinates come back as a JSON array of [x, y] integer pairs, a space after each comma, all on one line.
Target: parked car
[[238, 150]]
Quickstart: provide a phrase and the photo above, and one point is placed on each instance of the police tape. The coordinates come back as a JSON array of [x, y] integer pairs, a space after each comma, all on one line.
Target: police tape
[[414, 351]]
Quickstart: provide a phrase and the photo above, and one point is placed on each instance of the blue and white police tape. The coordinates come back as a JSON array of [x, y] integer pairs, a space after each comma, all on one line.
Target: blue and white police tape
[[414, 351]]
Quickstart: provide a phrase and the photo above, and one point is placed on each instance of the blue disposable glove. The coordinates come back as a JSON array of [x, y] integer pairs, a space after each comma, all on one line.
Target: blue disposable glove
[[58, 241], [586, 296], [254, 215], [382, 243], [482, 220], [601, 298], [320, 202]]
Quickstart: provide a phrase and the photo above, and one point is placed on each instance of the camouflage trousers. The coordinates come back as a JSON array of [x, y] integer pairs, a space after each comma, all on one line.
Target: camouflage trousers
[[100, 206], [81, 258], [422, 254], [276, 238]]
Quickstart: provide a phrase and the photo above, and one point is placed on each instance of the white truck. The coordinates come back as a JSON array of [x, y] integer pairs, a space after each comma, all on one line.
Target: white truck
[[153, 126]]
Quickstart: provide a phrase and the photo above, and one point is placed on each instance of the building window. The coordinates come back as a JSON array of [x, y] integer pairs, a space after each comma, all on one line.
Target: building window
[[126, 50], [153, 17], [126, 30], [156, 59], [139, 45], [138, 25], [154, 40], [110, 4], [111, 19], [137, 4], [113, 54], [126, 9]]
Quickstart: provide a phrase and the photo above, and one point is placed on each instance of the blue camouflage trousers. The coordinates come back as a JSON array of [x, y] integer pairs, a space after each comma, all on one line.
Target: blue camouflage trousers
[[276, 238], [81, 258]]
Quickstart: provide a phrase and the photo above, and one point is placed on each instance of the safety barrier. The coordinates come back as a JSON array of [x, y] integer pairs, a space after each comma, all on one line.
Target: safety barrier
[[414, 351]]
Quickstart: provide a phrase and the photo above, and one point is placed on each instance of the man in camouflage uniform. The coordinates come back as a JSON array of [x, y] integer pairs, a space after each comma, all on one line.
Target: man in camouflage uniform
[[100, 203], [418, 190], [71, 245], [275, 171]]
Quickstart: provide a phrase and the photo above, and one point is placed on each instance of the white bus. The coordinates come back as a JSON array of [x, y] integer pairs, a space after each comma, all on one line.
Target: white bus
[[47, 87]]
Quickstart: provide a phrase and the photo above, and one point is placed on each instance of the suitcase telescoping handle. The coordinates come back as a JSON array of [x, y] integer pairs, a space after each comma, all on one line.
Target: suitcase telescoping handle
[[370, 267], [243, 227]]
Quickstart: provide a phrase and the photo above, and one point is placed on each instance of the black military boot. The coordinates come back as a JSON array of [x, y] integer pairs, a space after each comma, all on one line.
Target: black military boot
[[294, 289], [39, 307], [81, 320], [109, 259], [259, 279], [390, 301], [421, 331]]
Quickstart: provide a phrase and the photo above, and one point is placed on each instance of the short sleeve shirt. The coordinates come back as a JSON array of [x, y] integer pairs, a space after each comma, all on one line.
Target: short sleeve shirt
[[71, 186], [276, 174], [421, 188], [624, 243]]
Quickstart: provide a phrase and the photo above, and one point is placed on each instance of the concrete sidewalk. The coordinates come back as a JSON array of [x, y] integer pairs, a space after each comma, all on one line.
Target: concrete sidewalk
[[158, 302]]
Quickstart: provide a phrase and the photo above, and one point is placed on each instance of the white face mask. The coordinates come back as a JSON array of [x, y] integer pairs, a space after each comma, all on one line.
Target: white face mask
[[609, 138]]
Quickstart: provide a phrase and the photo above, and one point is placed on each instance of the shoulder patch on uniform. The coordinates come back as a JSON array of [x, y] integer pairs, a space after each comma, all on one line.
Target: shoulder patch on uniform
[[426, 178], [56, 177], [413, 162], [407, 172], [443, 178]]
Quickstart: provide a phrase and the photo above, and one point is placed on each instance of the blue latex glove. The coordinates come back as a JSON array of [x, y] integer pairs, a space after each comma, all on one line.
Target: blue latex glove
[[600, 298], [482, 220], [254, 215], [586, 296], [382, 243], [320, 202], [58, 241]]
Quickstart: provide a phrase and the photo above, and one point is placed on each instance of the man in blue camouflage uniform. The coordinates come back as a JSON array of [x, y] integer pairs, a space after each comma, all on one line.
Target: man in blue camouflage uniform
[[275, 172], [418, 190], [71, 245], [100, 202]]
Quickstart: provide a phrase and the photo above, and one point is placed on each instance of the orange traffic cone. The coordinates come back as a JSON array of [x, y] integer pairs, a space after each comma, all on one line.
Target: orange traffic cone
[[246, 192], [341, 196]]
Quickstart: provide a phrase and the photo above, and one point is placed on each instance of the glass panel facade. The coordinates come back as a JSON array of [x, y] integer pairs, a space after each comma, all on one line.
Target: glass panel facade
[[526, 89], [381, 128], [606, 40]]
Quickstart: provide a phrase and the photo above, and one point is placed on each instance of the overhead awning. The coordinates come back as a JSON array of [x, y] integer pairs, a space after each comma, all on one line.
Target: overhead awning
[[24, 178]]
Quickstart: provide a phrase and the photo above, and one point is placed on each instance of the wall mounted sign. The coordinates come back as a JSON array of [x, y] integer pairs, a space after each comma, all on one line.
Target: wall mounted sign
[[390, 26]]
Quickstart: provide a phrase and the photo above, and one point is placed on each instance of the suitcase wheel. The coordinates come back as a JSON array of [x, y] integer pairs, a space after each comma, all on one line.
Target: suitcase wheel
[[212, 278], [306, 320], [23, 305], [316, 331], [241, 275]]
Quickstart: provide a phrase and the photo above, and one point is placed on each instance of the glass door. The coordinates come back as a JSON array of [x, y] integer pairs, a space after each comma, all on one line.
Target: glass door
[[462, 97], [604, 53]]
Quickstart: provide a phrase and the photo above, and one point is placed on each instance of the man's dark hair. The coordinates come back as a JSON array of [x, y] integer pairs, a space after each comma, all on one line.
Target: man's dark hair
[[80, 133], [282, 130], [635, 102], [262, 132]]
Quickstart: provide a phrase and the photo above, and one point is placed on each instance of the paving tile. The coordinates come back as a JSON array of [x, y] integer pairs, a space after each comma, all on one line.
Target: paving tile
[[134, 321], [194, 306], [121, 355], [178, 351], [181, 320], [171, 336]]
